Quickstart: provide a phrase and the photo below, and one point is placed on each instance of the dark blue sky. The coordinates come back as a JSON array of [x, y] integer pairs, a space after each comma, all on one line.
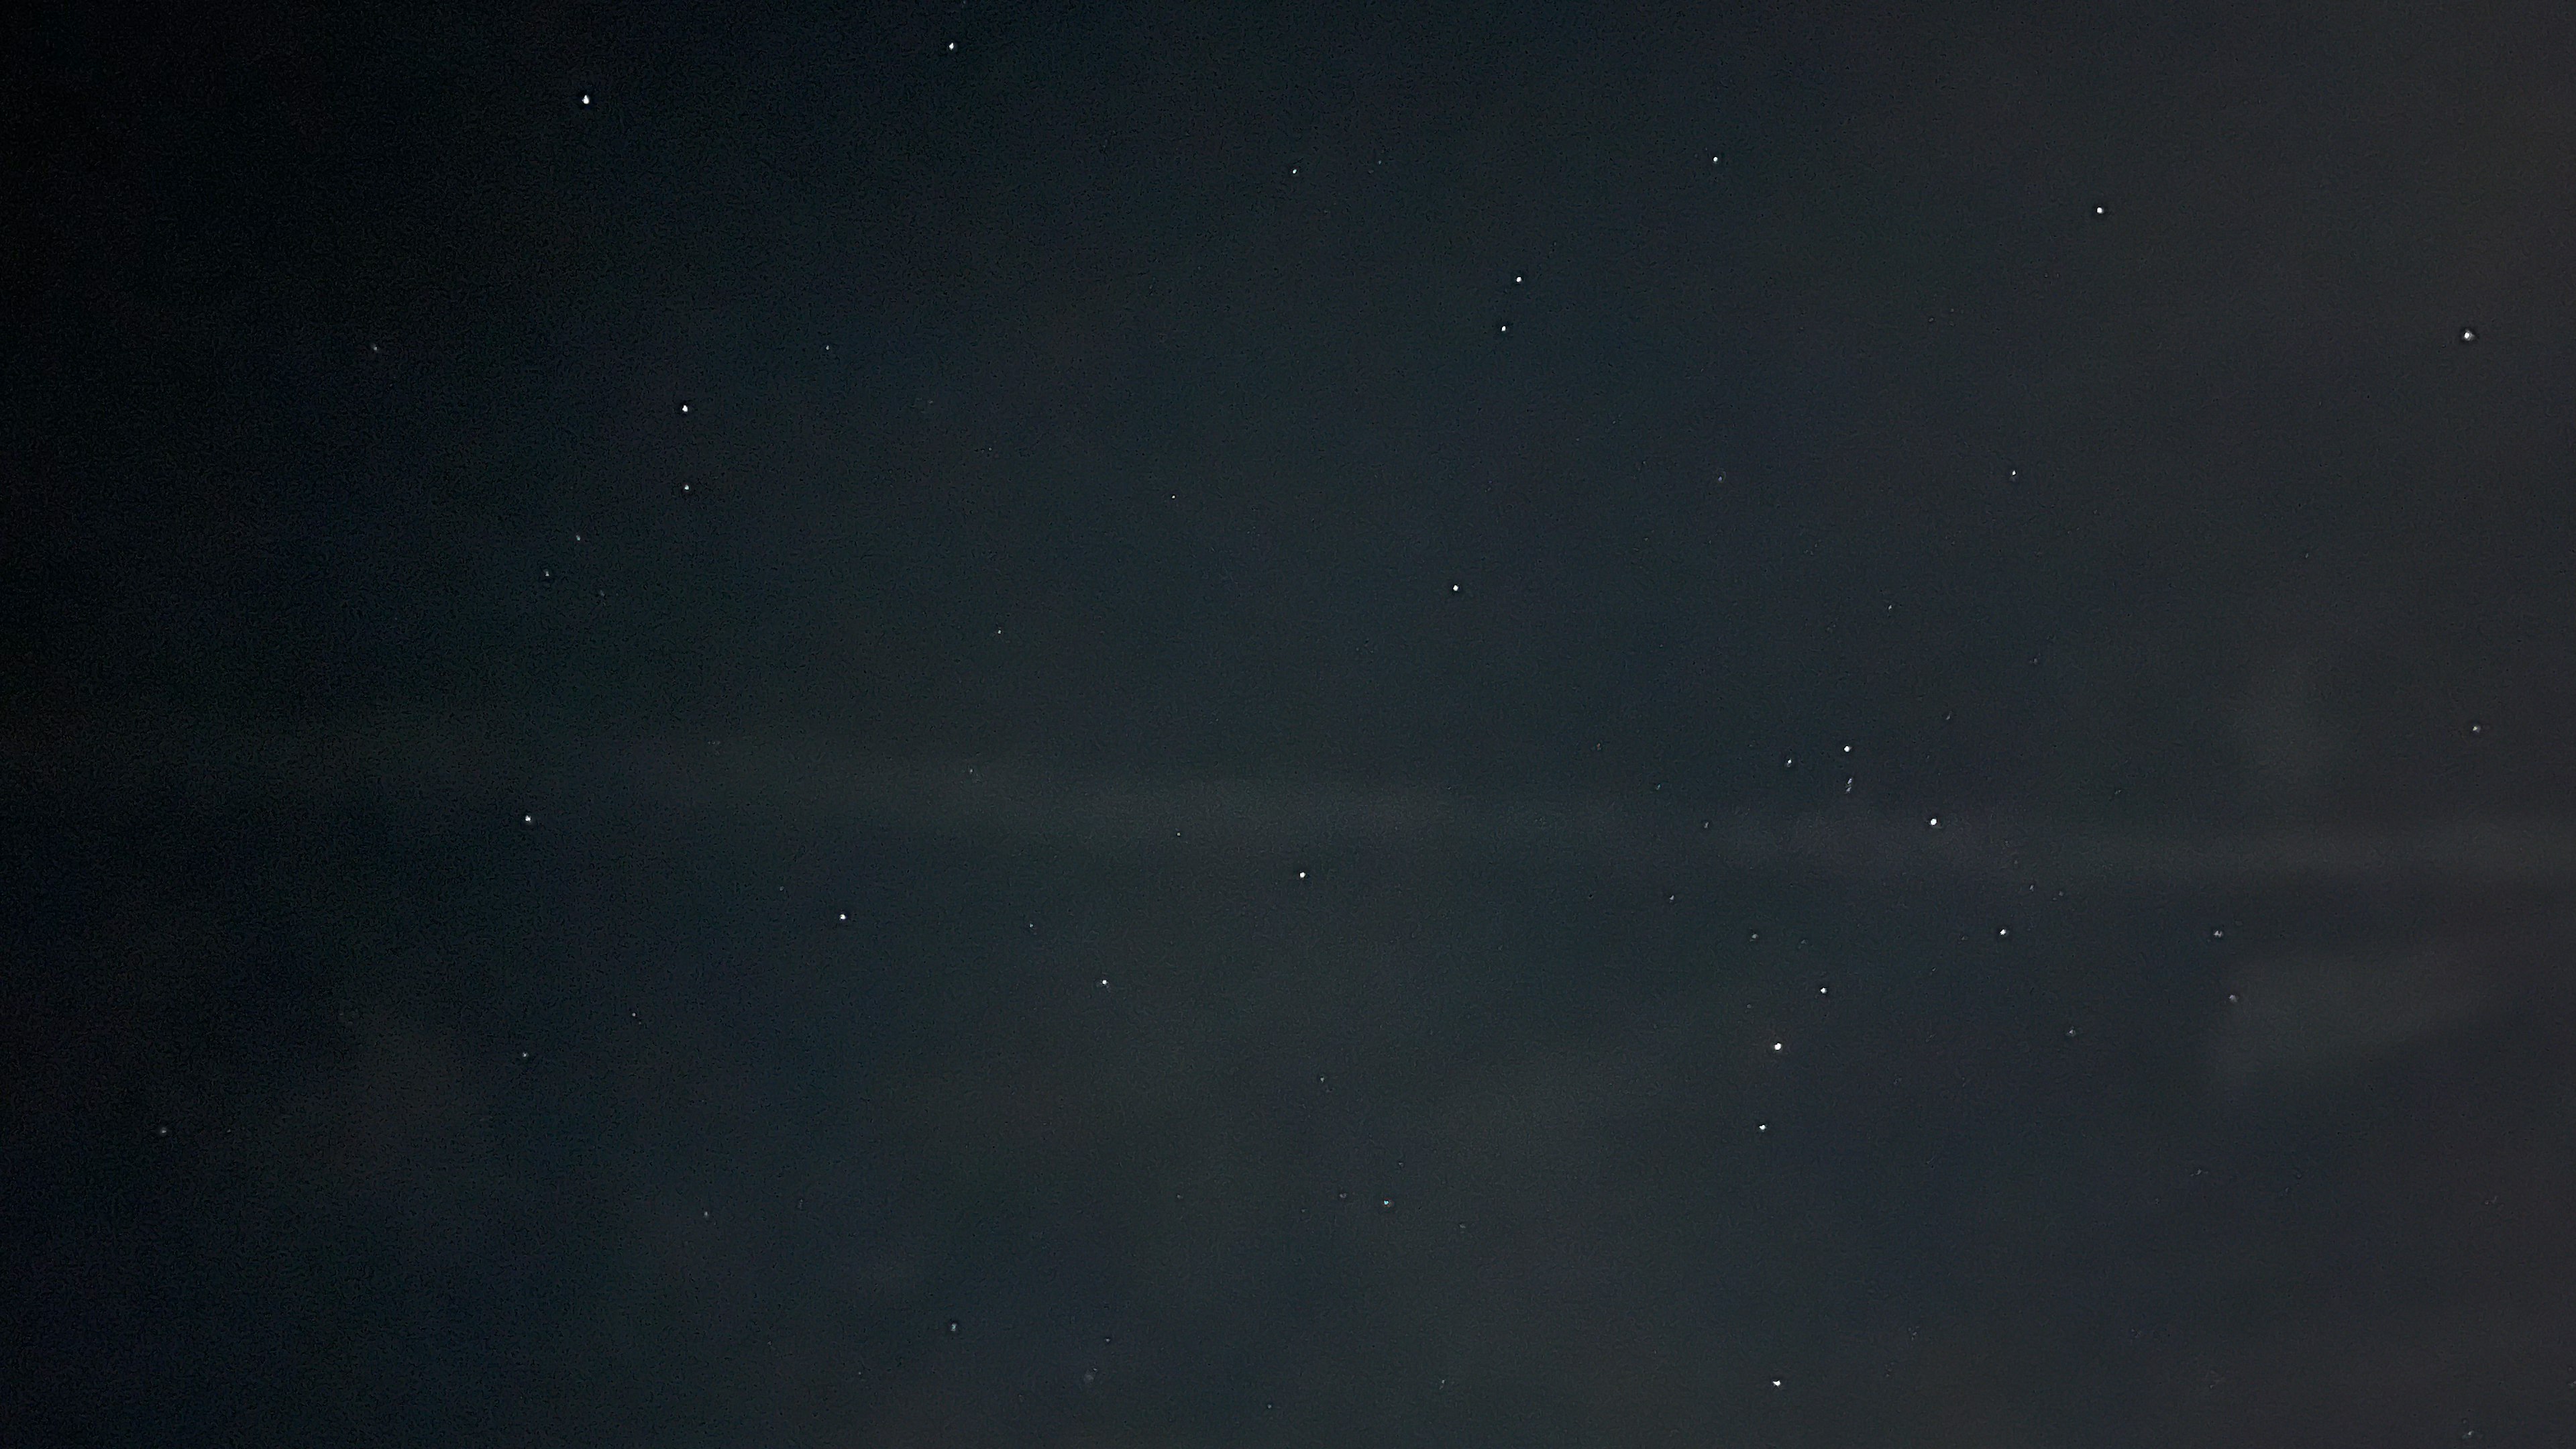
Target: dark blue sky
[[692, 693]]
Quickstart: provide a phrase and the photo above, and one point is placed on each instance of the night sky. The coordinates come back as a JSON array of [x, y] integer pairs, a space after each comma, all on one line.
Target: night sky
[[886, 725]]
